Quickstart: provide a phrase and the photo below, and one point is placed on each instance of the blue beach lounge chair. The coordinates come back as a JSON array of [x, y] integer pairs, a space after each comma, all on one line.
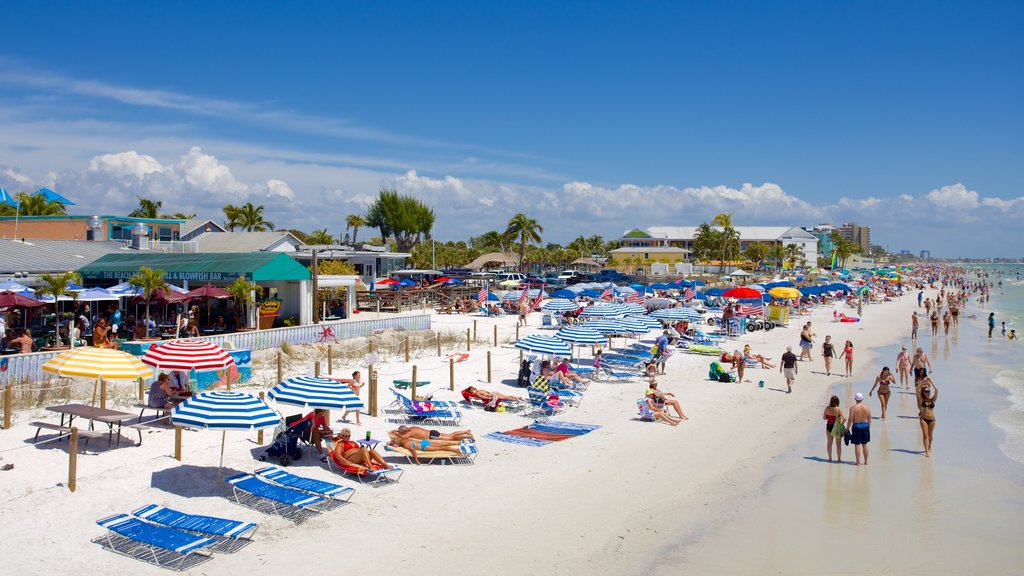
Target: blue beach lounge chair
[[255, 493], [442, 413], [338, 493], [231, 535], [159, 545]]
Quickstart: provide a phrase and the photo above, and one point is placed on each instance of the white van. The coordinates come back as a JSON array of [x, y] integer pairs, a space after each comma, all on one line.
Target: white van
[[567, 274], [514, 276]]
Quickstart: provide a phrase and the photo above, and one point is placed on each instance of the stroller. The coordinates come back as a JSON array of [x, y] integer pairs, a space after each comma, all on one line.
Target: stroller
[[285, 446], [523, 379]]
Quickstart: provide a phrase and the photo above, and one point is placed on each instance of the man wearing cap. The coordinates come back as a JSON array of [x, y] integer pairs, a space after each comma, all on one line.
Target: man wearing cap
[[789, 368], [860, 428]]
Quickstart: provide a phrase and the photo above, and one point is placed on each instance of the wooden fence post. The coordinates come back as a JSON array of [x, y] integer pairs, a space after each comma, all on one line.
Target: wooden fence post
[[142, 392], [414, 382], [517, 332], [280, 366], [259, 433], [488, 366], [495, 334], [373, 392], [438, 336], [467, 340], [474, 330], [73, 460], [316, 368], [8, 405], [177, 443], [451, 374], [330, 359], [227, 378]]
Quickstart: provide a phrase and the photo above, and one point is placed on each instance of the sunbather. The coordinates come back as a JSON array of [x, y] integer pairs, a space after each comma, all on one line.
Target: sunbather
[[663, 399], [414, 446], [423, 434], [488, 396], [352, 455], [764, 361], [568, 375], [650, 410]]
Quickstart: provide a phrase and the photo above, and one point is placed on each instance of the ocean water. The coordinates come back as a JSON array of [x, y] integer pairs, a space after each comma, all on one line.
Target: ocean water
[[1003, 359]]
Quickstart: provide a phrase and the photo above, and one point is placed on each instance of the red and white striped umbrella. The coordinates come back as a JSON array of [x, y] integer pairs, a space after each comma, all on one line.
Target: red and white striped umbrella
[[187, 354]]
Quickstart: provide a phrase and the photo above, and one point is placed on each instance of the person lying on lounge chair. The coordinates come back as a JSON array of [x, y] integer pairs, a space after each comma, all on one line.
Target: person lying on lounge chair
[[488, 396], [354, 455], [414, 446], [651, 410], [418, 433], [568, 375], [764, 361]]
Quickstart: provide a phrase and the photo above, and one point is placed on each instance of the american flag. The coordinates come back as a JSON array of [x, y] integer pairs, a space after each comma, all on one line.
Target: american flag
[[635, 298], [689, 294], [536, 303], [751, 309], [608, 294], [481, 296], [522, 296]]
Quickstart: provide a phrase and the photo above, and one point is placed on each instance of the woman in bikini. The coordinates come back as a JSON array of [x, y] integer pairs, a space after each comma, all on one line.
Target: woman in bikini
[[848, 355], [831, 414], [828, 351], [927, 394], [353, 455], [903, 367], [935, 321], [436, 445], [488, 396], [882, 382]]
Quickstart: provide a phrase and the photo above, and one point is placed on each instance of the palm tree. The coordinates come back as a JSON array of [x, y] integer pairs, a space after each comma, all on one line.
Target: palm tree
[[793, 254], [355, 222], [247, 217], [150, 281], [37, 205], [756, 253], [527, 230], [56, 285], [147, 208], [178, 216], [320, 237], [241, 294], [705, 241], [777, 253], [492, 241], [729, 239]]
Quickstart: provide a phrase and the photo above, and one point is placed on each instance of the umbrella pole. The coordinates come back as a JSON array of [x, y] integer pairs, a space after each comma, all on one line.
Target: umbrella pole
[[220, 469]]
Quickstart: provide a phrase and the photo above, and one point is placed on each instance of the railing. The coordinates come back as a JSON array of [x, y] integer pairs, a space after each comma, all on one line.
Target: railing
[[26, 368], [172, 246]]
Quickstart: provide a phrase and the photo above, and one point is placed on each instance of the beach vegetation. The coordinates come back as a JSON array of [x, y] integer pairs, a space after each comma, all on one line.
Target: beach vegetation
[[354, 222], [526, 230], [57, 285], [705, 240], [241, 291], [491, 241], [728, 238], [842, 248], [147, 208], [406, 219], [149, 281], [247, 217], [793, 255]]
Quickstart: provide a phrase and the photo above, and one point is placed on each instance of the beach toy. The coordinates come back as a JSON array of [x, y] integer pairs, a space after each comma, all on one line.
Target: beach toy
[[760, 383]]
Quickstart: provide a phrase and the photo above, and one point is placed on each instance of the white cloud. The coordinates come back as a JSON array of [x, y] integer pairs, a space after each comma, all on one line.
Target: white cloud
[[956, 197], [207, 173], [128, 163], [280, 189]]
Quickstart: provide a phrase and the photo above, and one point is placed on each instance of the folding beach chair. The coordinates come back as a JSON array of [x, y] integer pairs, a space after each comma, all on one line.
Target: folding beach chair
[[465, 455], [616, 374], [371, 477], [159, 545], [255, 493], [441, 413], [230, 535], [335, 493]]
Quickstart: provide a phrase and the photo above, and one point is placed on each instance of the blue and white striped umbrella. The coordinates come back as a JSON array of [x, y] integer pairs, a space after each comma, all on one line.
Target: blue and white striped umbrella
[[560, 305], [544, 345], [532, 294], [676, 314], [315, 392], [223, 410], [632, 325], [624, 291], [580, 335], [632, 309], [603, 311], [651, 323], [605, 326]]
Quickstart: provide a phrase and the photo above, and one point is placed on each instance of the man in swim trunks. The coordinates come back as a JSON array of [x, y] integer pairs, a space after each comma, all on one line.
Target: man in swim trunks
[[913, 326], [860, 428], [406, 432]]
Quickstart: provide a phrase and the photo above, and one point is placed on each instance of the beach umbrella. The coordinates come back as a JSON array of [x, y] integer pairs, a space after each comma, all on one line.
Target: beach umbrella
[[223, 410], [453, 282], [560, 305], [12, 286], [387, 282], [624, 290], [209, 291], [678, 313], [72, 287], [580, 335], [632, 325], [509, 283], [741, 292], [651, 323], [95, 295], [315, 392], [658, 302], [6, 198], [605, 310], [543, 345], [683, 283], [52, 196], [49, 299], [589, 293], [89, 362], [606, 327], [408, 283], [784, 292], [512, 295], [563, 293], [634, 309], [188, 354], [714, 292], [14, 299], [492, 297]]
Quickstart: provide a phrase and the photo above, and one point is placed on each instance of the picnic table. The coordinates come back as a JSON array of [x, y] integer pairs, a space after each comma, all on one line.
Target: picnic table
[[94, 414]]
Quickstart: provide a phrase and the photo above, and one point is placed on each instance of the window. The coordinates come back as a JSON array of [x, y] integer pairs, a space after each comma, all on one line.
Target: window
[[120, 231], [165, 233]]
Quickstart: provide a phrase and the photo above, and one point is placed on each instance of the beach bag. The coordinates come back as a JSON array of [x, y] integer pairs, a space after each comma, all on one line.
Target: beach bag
[[724, 377], [839, 428]]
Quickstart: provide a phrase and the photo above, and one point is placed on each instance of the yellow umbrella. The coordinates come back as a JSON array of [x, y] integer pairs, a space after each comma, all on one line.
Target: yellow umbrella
[[89, 362], [784, 292]]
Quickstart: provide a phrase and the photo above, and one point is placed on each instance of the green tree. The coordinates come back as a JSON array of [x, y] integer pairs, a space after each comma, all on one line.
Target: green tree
[[793, 254], [355, 222], [147, 208], [492, 241], [777, 252], [150, 281], [526, 230], [729, 238], [37, 205], [756, 253], [404, 218], [248, 217], [319, 237], [178, 216], [241, 291], [57, 285], [705, 242]]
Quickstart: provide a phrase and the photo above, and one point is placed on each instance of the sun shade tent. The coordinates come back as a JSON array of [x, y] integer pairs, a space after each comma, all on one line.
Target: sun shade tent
[[217, 267]]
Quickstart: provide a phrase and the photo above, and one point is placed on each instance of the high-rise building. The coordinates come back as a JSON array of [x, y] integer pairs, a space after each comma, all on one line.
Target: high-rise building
[[859, 235], [926, 254]]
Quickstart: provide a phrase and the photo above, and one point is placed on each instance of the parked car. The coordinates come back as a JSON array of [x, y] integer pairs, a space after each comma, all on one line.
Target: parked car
[[579, 278]]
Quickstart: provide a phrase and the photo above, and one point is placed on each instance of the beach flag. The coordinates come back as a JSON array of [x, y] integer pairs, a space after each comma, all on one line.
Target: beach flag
[[689, 294], [608, 294], [481, 296], [834, 254], [752, 310], [635, 298], [522, 296], [536, 303]]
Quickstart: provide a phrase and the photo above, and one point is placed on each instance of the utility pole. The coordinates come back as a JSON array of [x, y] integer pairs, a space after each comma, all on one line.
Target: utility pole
[[316, 287]]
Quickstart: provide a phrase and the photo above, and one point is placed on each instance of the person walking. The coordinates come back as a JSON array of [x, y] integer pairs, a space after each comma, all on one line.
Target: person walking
[[927, 394], [882, 382], [860, 429], [789, 368], [913, 326], [991, 323], [828, 351], [835, 428], [848, 355], [903, 367], [806, 342]]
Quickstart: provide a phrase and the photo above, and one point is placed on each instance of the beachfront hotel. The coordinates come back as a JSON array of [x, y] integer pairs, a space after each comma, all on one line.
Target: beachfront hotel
[[682, 237]]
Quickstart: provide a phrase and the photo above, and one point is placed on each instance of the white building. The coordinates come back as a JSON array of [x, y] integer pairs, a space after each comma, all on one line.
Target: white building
[[682, 237]]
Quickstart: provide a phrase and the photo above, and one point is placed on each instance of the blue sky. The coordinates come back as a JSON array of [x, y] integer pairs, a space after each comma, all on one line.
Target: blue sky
[[591, 117]]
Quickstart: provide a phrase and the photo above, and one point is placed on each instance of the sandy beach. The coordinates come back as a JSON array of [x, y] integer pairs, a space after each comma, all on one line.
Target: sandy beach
[[624, 499]]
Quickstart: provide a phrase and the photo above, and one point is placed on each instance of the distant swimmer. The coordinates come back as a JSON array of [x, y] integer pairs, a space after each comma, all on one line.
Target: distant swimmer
[[1012, 335]]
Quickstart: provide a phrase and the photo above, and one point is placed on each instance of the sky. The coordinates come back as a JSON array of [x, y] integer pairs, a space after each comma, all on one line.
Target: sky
[[591, 117]]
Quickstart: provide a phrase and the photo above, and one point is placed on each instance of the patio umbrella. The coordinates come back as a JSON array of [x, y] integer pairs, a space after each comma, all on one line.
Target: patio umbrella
[[12, 299], [188, 354], [408, 283], [688, 314], [543, 345], [12, 286], [633, 309], [209, 291], [580, 335], [315, 392], [224, 410], [95, 295], [741, 292], [52, 196], [784, 292], [98, 364], [648, 321], [387, 281], [605, 311], [563, 293], [560, 305]]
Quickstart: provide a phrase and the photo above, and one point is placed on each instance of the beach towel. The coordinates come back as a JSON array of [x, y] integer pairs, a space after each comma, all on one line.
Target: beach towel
[[543, 432]]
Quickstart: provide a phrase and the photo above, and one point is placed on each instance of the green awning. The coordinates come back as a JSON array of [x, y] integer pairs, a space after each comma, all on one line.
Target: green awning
[[214, 267]]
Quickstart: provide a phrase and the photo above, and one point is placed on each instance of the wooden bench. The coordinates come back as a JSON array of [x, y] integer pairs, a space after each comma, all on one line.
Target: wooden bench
[[62, 430]]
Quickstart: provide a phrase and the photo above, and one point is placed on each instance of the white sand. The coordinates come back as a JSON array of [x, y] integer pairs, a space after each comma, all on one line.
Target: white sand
[[604, 503]]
